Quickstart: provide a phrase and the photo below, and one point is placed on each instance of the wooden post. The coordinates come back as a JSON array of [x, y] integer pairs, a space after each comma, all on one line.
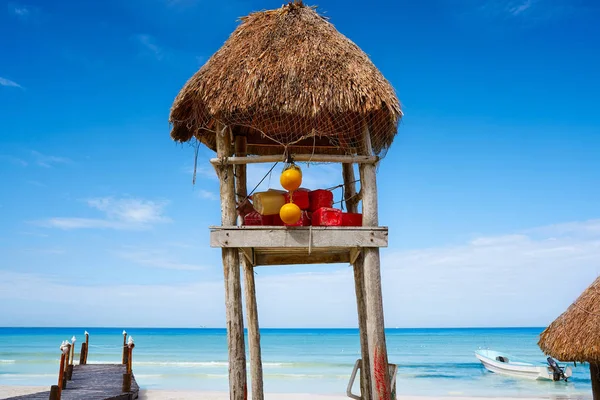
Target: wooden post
[[61, 370], [126, 385], [595, 376], [125, 350], [231, 269], [54, 392], [82, 354], [73, 340], [256, 372], [87, 346], [62, 382], [359, 286], [66, 366], [378, 359], [130, 347], [71, 359]]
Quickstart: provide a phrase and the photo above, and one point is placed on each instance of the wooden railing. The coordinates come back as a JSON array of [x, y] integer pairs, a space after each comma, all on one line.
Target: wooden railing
[[67, 356]]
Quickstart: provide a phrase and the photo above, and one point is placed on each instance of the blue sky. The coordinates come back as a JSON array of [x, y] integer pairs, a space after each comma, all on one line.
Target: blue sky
[[490, 190]]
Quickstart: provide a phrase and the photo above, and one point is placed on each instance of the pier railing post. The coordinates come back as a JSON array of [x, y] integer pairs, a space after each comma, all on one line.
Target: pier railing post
[[128, 375], [66, 365], [54, 392], [125, 349], [71, 359], [83, 353], [61, 371], [87, 346]]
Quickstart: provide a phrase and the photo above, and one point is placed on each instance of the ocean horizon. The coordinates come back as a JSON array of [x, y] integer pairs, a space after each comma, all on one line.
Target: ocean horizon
[[431, 361]]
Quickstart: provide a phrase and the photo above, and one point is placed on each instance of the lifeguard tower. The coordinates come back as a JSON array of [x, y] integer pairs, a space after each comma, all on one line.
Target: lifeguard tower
[[285, 86]]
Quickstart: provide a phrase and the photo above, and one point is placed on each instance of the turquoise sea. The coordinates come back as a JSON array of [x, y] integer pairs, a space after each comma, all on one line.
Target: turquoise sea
[[434, 362]]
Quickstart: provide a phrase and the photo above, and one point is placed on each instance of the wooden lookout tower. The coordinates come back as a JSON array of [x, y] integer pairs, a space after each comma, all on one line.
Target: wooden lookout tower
[[286, 86]]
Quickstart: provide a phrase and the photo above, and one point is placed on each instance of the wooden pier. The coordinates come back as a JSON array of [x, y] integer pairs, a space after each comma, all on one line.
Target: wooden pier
[[93, 382]]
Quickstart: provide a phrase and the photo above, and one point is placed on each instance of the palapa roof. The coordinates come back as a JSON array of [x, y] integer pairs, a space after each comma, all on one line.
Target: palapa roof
[[287, 77], [575, 334]]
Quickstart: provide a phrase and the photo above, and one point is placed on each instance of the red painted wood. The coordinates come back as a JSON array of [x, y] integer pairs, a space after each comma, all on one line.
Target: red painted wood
[[381, 372]]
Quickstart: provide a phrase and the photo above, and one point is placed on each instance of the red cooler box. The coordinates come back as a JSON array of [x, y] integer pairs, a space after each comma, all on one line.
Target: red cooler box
[[304, 220], [277, 220], [351, 219], [326, 216], [320, 198], [254, 218], [299, 198]]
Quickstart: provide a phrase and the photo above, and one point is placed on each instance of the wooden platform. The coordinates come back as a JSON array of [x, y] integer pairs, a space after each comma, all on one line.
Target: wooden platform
[[93, 382], [280, 245]]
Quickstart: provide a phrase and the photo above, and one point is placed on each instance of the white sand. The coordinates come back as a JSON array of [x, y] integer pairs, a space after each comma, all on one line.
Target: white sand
[[188, 395], [10, 391]]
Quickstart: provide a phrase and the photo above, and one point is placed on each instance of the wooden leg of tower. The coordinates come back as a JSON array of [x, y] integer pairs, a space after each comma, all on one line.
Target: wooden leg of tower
[[359, 286], [231, 272], [380, 377], [235, 325], [256, 372]]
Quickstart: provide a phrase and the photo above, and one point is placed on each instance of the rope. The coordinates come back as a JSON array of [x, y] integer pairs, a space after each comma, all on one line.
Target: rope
[[261, 181], [195, 162]]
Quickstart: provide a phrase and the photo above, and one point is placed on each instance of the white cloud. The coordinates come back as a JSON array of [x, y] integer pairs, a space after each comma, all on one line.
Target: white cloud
[[48, 161], [519, 8], [9, 83], [122, 214], [155, 258], [37, 183], [148, 43], [14, 160], [208, 195], [528, 10], [147, 305], [21, 11], [24, 13]]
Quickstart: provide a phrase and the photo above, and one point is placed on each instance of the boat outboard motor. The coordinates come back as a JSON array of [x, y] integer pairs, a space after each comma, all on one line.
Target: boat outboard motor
[[557, 372]]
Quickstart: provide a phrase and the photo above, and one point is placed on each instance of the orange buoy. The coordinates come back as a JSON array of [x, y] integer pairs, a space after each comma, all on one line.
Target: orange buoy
[[290, 213], [291, 178]]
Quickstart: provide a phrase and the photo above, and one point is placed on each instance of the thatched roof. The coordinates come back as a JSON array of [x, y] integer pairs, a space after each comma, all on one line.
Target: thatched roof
[[287, 76], [575, 334]]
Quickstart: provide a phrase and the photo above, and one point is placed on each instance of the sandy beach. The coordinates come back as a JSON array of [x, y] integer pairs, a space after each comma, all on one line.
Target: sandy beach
[[10, 391]]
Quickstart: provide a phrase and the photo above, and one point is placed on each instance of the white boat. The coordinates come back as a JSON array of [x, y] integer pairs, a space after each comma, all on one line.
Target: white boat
[[502, 363]]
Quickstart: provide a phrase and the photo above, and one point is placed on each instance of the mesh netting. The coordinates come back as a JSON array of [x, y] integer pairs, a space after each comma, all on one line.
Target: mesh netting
[[285, 134]]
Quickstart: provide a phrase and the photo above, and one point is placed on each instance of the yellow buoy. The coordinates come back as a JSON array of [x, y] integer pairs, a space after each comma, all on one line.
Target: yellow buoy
[[290, 213], [291, 178]]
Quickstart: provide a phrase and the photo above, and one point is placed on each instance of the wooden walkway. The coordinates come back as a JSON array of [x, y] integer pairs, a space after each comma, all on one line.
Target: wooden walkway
[[93, 382]]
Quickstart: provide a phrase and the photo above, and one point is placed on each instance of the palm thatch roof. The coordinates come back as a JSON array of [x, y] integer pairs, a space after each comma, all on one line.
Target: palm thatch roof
[[287, 77], [575, 334]]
